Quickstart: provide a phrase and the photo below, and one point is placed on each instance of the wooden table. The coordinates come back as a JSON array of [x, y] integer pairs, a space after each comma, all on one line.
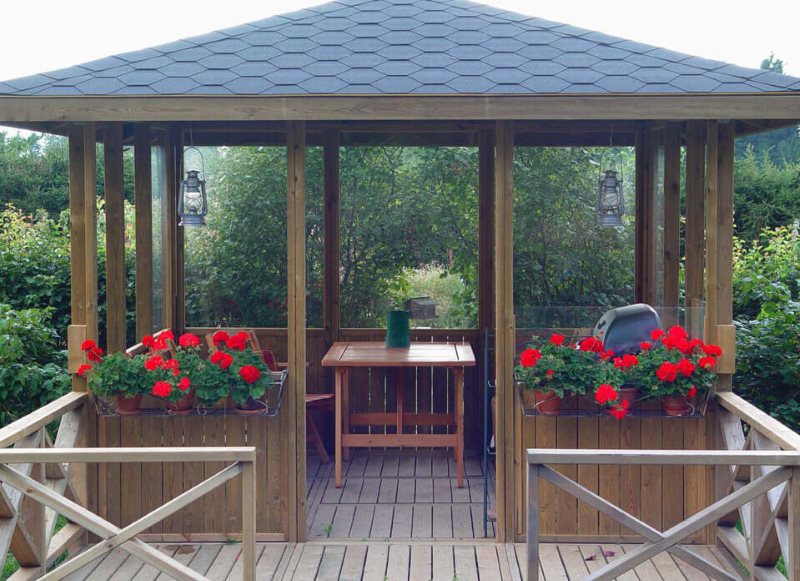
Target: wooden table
[[345, 356]]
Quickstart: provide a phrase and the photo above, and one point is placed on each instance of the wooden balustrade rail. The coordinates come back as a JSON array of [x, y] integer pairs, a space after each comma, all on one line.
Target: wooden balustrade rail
[[769, 525], [775, 474], [36, 488]]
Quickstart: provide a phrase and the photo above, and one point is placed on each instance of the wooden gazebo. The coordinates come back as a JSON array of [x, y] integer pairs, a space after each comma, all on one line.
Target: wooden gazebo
[[424, 72]]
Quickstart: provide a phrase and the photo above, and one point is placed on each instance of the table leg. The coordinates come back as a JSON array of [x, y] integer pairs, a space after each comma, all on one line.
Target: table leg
[[400, 396], [346, 411], [338, 429], [458, 376]]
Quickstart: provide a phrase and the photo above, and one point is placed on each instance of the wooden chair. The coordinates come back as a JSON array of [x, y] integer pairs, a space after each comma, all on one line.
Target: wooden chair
[[314, 401]]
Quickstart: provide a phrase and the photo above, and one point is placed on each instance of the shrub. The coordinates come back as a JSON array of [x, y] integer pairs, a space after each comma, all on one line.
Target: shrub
[[32, 371]]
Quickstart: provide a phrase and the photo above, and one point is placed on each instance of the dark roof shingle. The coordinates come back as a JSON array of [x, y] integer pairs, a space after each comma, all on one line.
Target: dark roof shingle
[[397, 47]]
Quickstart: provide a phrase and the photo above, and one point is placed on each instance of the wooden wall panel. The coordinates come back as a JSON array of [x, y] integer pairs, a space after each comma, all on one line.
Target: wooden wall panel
[[128, 491]]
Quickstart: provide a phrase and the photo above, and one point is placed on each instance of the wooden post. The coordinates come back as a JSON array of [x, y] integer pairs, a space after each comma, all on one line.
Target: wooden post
[[644, 267], [504, 327], [249, 521], [169, 225], [143, 193], [83, 232], [724, 318], [296, 331], [533, 522], [331, 252], [485, 230], [115, 238], [179, 296], [695, 221], [712, 138], [672, 217]]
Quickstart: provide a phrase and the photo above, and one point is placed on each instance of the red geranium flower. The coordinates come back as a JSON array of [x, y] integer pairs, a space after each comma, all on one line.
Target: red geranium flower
[[171, 364], [605, 393], [222, 359], [686, 367], [95, 354], [162, 389], [645, 345], [667, 372], [219, 337], [238, 341], [249, 373], [678, 332], [712, 350], [707, 362], [692, 392], [557, 339], [167, 335], [549, 373], [148, 341], [188, 340], [184, 384], [591, 344], [529, 357], [619, 411], [84, 369], [153, 363], [88, 345], [656, 334]]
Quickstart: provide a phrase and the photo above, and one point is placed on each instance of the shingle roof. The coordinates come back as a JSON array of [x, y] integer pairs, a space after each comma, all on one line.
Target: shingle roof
[[399, 47]]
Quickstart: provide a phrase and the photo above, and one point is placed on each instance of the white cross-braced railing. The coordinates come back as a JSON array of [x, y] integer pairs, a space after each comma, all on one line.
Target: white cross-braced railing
[[778, 470]]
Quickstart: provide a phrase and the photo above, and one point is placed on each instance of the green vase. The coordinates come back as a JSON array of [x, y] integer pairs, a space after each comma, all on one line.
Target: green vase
[[397, 333]]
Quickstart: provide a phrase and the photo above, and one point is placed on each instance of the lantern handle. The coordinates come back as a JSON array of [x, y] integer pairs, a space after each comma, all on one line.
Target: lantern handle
[[199, 153]]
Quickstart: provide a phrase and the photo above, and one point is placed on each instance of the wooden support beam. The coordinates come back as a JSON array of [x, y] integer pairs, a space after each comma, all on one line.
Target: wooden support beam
[[504, 328], [178, 268], [695, 221], [116, 283], [143, 199], [296, 329], [724, 312], [672, 215], [90, 224], [330, 299], [793, 564]]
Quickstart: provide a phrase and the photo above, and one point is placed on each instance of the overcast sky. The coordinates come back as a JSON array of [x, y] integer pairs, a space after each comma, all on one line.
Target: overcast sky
[[42, 35]]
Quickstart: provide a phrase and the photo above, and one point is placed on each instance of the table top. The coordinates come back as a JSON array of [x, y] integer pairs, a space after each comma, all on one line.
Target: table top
[[376, 354]]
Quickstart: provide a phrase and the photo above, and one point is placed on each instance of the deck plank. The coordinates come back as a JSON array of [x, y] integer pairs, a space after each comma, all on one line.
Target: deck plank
[[443, 521], [308, 564], [401, 524], [353, 564], [362, 521], [376, 562], [224, 562], [443, 564], [270, 560], [421, 562], [466, 564], [406, 490], [488, 564], [330, 566], [382, 521], [369, 491], [343, 521], [388, 491], [422, 524], [399, 563]]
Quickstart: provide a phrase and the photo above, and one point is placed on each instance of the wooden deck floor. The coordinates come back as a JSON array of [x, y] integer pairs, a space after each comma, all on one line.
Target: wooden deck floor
[[395, 561], [397, 495]]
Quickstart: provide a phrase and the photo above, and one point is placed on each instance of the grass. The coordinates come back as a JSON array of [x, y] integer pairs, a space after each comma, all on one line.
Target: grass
[[11, 565]]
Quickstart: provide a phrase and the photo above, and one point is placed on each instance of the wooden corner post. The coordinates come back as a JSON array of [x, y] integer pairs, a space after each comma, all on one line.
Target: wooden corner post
[[83, 238], [504, 327], [296, 328], [695, 222]]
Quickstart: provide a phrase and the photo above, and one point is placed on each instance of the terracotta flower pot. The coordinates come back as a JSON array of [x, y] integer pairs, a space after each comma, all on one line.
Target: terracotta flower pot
[[547, 404], [676, 405], [183, 406], [128, 406], [631, 395], [251, 407]]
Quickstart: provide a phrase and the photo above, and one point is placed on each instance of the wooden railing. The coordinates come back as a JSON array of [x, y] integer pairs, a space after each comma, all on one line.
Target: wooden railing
[[775, 474], [37, 487], [768, 526]]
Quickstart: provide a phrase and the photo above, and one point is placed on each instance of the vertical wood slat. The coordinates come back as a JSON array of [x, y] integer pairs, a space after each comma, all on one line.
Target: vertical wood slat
[[296, 251], [724, 313], [116, 283], [695, 213], [143, 201], [486, 201], [77, 260], [169, 226], [130, 475], [504, 325], [330, 300], [179, 295], [609, 486], [793, 566], [672, 214], [152, 472]]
